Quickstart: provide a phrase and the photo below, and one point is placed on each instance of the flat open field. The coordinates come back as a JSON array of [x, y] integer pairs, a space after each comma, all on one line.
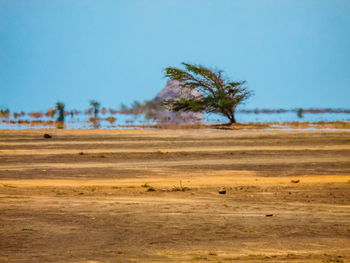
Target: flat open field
[[85, 196]]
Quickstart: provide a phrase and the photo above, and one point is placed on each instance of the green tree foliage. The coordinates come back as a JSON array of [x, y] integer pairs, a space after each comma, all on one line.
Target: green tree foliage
[[60, 110], [148, 107], [4, 113], [217, 93], [95, 107], [136, 104], [300, 113], [123, 107]]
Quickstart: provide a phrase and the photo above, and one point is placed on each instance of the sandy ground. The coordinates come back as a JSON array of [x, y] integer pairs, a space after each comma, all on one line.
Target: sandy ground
[[85, 196]]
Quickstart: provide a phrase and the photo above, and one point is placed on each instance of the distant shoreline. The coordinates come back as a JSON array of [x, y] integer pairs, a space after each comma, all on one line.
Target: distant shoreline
[[322, 125]]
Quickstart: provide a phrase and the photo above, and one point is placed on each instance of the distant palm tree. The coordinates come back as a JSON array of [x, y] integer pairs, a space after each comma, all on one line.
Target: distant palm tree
[[95, 107], [300, 113], [60, 109], [4, 113]]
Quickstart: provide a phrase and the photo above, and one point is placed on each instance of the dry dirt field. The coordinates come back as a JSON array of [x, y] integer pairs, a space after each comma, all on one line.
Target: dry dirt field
[[152, 196]]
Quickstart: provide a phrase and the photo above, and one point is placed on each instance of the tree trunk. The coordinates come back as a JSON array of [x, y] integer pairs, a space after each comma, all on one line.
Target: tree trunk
[[232, 119], [231, 116]]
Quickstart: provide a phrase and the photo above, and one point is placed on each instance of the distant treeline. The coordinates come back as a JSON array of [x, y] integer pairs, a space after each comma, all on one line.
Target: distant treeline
[[138, 108], [277, 111]]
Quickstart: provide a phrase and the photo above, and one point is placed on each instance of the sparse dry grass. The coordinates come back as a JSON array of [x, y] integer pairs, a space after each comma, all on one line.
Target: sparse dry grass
[[59, 206]]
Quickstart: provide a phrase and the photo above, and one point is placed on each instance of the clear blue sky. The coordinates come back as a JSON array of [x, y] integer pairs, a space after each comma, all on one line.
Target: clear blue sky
[[293, 53]]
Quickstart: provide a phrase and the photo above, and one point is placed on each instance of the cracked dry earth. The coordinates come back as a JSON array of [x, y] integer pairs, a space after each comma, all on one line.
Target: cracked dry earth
[[152, 196]]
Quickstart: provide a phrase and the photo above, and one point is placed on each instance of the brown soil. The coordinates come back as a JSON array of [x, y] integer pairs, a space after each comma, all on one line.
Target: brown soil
[[85, 196]]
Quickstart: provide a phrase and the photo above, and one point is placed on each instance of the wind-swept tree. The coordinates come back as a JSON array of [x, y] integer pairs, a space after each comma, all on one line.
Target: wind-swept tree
[[217, 93], [95, 107], [60, 110]]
